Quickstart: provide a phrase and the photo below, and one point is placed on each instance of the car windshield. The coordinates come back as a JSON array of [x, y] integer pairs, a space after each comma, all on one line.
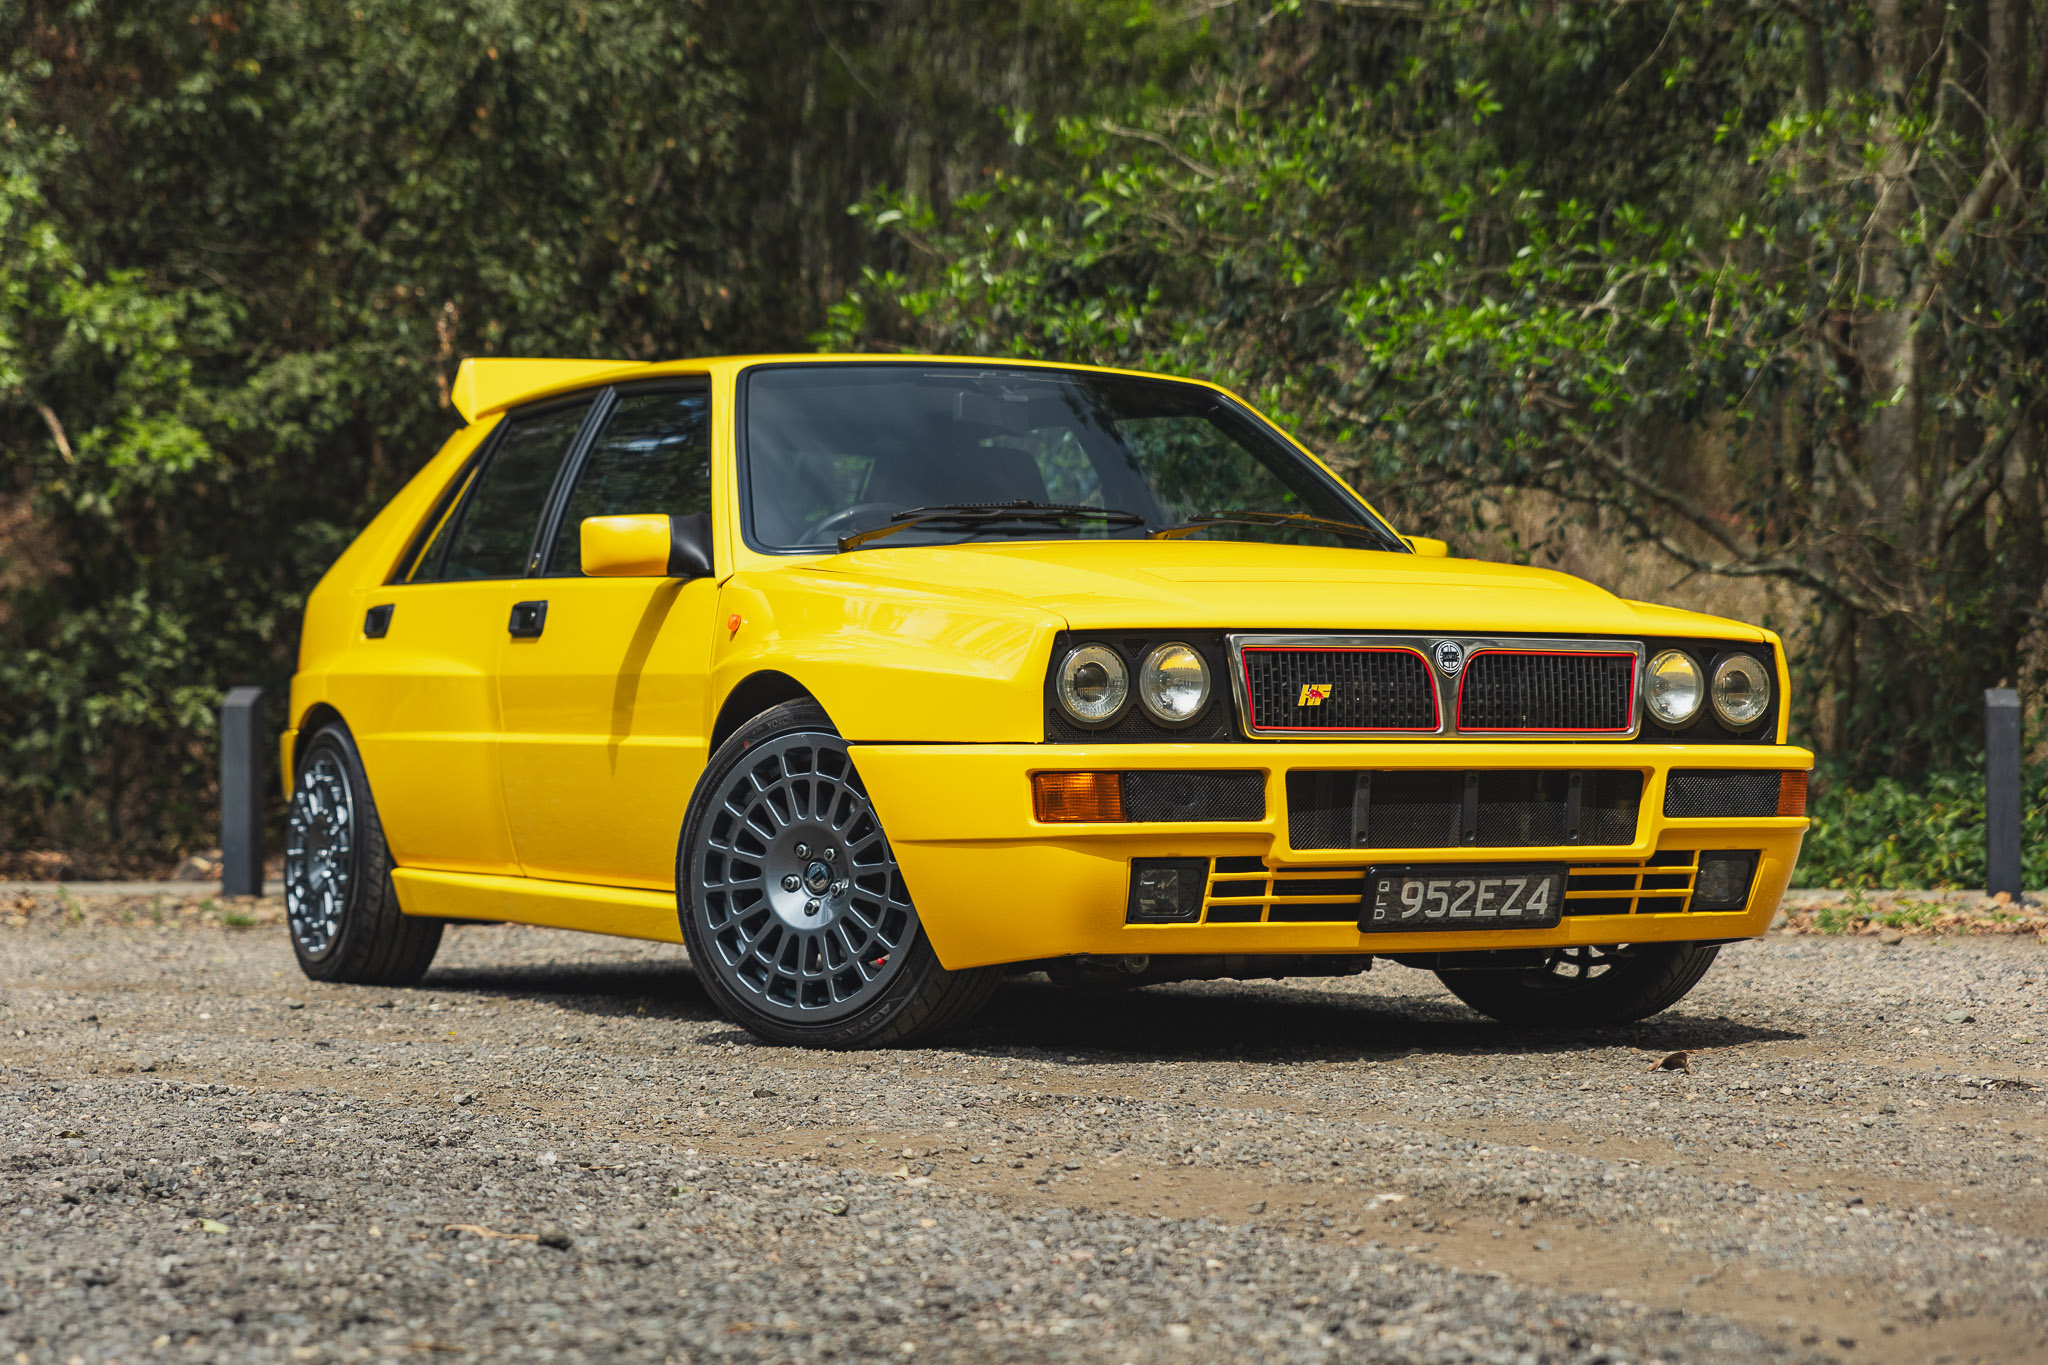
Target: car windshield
[[833, 450]]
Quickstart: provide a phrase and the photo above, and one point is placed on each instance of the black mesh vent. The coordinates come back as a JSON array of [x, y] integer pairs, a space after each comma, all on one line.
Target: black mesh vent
[[1410, 809], [1607, 812], [1520, 810], [1348, 689], [1416, 810], [1589, 692], [1164, 796], [1698, 793], [1319, 809]]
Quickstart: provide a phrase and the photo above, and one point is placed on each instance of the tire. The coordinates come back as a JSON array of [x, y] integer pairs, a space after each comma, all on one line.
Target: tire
[[1587, 987], [340, 906], [837, 960]]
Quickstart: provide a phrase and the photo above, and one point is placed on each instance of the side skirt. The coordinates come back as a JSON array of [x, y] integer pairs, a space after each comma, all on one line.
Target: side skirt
[[625, 911]]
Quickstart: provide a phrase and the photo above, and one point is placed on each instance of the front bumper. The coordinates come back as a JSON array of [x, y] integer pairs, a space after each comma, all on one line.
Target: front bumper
[[992, 884]]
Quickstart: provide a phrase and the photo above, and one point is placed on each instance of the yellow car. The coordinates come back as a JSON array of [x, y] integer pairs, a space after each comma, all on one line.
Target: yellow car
[[870, 679]]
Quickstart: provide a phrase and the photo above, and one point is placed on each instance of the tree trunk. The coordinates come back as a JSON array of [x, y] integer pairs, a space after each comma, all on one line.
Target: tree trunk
[[1887, 335]]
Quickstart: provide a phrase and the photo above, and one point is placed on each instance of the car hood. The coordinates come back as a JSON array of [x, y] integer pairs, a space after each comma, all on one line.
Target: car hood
[[1237, 585]]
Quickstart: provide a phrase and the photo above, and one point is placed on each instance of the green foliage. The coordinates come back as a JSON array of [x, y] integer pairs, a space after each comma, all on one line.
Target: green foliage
[[1765, 289], [1923, 834], [1730, 284], [244, 245]]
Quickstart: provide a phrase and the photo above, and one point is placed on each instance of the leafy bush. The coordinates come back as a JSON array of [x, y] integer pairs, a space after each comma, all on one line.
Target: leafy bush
[[1922, 834]]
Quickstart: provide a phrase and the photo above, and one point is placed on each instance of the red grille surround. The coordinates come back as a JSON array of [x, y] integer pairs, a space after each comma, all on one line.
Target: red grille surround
[[1556, 689], [1387, 696]]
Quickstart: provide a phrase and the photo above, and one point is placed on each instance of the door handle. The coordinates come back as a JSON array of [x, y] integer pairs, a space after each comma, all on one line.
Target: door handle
[[529, 619]]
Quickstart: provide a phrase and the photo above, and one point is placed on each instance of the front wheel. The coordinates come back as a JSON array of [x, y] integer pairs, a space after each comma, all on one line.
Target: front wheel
[[793, 909], [1587, 987]]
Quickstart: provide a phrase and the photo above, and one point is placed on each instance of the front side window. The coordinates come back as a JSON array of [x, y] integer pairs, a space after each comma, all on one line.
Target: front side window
[[491, 532], [654, 455], [833, 450]]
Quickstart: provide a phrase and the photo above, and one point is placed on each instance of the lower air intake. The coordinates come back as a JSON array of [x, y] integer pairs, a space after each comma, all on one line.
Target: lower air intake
[[1453, 809]]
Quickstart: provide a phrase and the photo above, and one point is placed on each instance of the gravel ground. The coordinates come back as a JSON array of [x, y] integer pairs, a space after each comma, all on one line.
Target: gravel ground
[[553, 1149]]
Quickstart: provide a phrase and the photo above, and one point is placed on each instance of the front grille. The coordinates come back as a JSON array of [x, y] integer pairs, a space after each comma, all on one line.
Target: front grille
[[1328, 689], [1151, 796], [1452, 809], [1513, 690], [1702, 793], [1246, 890]]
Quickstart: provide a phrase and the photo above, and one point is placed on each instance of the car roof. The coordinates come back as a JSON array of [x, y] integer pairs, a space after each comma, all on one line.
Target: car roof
[[487, 384]]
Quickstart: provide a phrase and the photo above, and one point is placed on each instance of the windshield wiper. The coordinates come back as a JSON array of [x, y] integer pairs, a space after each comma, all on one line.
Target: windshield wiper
[[972, 514], [1246, 516]]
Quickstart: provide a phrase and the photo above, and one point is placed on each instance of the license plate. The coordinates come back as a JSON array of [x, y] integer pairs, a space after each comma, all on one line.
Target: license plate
[[1412, 899]]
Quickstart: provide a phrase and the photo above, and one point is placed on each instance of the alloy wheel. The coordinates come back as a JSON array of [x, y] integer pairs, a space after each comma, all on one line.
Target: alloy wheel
[[795, 886], [1569, 967], [319, 862]]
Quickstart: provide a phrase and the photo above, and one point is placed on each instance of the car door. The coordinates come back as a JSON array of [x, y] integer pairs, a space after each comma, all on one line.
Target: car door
[[605, 709], [424, 706]]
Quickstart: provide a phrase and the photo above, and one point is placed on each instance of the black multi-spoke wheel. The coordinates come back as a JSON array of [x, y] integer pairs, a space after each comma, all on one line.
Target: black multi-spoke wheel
[[340, 905], [792, 906], [1590, 987]]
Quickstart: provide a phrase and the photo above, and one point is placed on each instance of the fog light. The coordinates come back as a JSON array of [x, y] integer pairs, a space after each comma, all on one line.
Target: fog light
[[1723, 879], [1070, 798], [1167, 890]]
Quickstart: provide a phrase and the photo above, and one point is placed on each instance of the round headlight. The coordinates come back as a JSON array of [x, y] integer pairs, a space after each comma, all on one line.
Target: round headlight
[[1094, 684], [1173, 684], [1676, 687], [1742, 691]]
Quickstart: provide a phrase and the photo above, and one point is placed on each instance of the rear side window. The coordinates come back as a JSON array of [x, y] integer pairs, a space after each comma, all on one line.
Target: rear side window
[[491, 533], [653, 456]]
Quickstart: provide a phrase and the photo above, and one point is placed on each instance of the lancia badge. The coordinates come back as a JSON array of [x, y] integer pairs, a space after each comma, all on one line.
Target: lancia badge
[[1450, 657]]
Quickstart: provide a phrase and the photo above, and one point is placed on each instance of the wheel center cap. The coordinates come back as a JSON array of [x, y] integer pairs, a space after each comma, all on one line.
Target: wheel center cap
[[817, 879]]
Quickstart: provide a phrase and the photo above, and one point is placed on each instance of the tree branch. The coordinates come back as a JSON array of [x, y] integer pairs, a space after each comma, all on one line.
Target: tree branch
[[56, 431]]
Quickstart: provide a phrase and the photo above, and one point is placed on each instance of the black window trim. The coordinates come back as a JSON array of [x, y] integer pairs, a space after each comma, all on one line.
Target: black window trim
[[405, 573], [463, 487], [742, 469], [579, 455]]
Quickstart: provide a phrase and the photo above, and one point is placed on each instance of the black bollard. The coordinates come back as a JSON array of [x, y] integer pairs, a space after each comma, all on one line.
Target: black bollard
[[2002, 791], [241, 792]]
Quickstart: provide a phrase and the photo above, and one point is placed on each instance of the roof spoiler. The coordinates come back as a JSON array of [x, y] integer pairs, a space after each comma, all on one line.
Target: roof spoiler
[[485, 385]]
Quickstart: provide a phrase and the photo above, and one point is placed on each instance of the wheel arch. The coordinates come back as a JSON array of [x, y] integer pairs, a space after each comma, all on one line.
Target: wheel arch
[[755, 693], [318, 716]]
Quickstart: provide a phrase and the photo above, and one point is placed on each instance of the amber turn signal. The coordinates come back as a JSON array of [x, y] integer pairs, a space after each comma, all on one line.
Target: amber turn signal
[[1069, 798], [1791, 793]]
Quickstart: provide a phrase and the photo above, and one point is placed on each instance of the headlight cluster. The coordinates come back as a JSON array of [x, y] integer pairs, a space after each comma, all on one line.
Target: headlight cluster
[[1678, 687], [1094, 685]]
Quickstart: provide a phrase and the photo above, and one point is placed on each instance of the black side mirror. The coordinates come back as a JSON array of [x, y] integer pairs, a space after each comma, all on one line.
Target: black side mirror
[[689, 546]]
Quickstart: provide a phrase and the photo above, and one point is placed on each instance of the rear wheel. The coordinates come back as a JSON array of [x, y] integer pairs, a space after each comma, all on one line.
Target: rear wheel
[[340, 905], [793, 909], [1587, 987]]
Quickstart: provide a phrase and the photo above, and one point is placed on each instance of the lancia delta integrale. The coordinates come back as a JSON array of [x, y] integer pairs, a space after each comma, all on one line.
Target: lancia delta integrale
[[871, 679]]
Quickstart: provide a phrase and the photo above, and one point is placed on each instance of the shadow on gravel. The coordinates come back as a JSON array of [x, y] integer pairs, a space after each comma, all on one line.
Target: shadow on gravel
[[648, 990], [1258, 1021]]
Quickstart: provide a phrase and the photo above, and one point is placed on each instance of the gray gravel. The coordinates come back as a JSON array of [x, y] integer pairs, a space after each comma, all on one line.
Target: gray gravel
[[553, 1149]]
